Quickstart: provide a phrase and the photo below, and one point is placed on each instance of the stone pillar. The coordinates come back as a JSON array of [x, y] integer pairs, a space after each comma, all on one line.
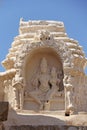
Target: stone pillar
[[19, 92]]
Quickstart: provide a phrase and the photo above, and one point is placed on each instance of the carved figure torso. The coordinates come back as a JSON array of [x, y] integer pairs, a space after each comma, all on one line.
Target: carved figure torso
[[44, 82], [41, 80], [54, 80]]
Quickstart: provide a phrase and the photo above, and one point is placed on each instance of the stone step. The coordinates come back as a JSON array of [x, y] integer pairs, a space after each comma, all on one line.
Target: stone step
[[28, 112], [54, 127]]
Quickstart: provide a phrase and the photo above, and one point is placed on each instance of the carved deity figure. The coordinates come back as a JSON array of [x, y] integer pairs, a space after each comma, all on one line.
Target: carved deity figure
[[68, 92], [46, 84], [18, 89], [41, 83], [54, 84], [18, 86]]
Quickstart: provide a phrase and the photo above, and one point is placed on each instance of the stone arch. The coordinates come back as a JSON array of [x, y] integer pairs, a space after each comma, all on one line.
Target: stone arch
[[33, 59], [59, 47], [28, 51]]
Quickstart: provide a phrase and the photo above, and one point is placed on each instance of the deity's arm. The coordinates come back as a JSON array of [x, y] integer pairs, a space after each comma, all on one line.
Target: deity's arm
[[35, 82], [58, 82]]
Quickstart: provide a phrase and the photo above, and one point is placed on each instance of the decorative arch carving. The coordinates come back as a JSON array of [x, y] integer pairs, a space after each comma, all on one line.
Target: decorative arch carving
[[59, 47]]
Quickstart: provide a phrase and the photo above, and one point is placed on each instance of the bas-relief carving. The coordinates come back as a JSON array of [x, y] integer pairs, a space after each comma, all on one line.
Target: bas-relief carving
[[19, 94], [18, 86], [55, 82], [44, 36], [6, 85], [45, 83], [9, 93], [68, 93], [43, 39], [70, 58]]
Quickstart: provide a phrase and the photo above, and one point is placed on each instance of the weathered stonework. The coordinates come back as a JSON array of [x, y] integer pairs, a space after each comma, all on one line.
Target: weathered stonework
[[3, 111], [4, 106], [48, 128], [44, 70]]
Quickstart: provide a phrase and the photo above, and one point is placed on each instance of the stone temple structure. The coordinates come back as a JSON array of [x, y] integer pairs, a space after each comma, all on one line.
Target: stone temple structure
[[44, 71]]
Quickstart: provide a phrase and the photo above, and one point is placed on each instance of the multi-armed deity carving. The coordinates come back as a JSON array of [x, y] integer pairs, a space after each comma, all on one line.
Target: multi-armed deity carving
[[39, 82], [46, 83]]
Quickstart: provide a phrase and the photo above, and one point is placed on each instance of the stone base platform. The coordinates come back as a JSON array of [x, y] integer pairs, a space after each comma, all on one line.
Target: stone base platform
[[44, 120], [28, 112], [48, 127]]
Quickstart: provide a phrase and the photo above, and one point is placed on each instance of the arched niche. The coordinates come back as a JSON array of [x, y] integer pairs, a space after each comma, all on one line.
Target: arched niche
[[32, 68], [33, 60]]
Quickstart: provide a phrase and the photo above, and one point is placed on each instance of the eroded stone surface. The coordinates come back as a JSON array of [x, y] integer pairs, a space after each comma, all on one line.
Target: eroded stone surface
[[48, 128], [44, 70], [4, 106]]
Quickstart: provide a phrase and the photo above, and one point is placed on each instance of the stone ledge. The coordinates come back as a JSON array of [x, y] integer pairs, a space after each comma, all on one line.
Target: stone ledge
[[28, 127]]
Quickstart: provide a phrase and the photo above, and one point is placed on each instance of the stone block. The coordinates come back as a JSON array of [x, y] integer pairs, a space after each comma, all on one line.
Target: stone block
[[54, 127], [3, 111]]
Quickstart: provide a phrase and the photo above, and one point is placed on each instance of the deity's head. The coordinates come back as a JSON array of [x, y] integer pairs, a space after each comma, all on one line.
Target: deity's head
[[43, 65], [53, 72]]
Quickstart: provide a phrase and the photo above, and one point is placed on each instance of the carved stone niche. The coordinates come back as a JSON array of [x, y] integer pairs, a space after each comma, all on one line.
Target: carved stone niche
[[43, 76]]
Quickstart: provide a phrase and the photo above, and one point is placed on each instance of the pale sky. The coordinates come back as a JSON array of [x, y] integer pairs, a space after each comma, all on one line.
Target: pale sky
[[72, 12]]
